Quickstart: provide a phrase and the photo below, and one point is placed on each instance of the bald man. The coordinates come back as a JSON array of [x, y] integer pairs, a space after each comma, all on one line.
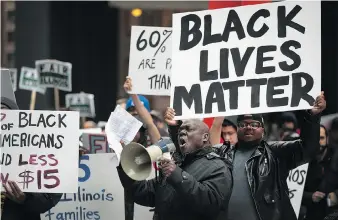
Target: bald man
[[197, 189]]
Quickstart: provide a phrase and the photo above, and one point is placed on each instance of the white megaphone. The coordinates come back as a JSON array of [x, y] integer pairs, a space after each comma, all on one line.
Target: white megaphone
[[136, 160]]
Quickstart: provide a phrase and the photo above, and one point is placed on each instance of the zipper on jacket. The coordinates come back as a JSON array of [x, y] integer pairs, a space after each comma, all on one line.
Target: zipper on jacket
[[264, 166], [248, 178]]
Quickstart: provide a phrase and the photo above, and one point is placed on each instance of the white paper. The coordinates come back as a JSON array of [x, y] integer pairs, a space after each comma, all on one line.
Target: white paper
[[123, 125], [114, 144]]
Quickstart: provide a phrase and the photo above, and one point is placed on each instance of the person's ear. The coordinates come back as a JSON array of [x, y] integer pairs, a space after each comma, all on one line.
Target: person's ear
[[205, 137]]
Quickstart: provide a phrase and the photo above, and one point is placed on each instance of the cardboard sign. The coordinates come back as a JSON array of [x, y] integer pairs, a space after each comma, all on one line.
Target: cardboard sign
[[246, 60], [296, 183], [94, 199], [14, 77], [95, 143], [29, 80], [39, 150], [150, 60], [55, 74], [81, 102]]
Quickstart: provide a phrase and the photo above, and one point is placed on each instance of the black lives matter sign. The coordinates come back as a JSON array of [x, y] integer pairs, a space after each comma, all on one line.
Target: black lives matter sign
[[252, 59], [55, 74]]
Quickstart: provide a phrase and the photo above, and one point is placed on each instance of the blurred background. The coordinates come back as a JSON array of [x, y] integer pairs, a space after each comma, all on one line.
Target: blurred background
[[95, 37]]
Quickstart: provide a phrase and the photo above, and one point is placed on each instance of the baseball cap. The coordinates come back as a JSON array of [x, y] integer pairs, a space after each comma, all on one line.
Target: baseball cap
[[256, 117], [143, 99]]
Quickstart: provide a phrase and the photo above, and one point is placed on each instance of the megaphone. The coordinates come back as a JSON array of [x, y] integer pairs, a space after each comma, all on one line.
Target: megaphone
[[136, 160]]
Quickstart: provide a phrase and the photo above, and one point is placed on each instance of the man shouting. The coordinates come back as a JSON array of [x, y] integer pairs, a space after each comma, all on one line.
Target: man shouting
[[197, 189]]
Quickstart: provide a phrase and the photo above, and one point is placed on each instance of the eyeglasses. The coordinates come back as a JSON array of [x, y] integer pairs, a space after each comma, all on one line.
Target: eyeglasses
[[253, 125]]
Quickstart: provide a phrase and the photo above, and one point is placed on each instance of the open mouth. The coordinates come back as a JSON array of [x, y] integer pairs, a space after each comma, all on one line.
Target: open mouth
[[181, 141]]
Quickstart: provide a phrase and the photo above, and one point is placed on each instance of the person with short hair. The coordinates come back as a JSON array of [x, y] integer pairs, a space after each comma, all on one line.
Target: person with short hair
[[199, 188]]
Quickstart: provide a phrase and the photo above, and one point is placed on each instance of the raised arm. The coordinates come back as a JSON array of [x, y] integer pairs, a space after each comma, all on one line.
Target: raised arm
[[153, 132], [295, 153], [173, 126], [216, 130]]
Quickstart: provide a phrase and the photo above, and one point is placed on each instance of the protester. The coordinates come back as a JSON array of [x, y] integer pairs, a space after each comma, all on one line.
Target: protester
[[199, 188], [122, 102], [260, 169], [225, 129], [89, 124], [139, 105], [159, 122], [333, 136], [313, 198], [288, 125], [18, 205]]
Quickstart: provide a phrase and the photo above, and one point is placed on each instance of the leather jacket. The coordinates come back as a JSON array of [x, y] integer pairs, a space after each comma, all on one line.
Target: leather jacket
[[268, 169]]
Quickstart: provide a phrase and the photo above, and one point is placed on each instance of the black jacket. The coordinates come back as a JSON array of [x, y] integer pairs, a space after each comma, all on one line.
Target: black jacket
[[269, 167], [315, 179], [34, 205], [199, 189]]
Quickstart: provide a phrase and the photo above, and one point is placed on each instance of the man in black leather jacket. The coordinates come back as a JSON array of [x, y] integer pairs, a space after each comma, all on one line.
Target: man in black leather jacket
[[260, 169], [197, 189]]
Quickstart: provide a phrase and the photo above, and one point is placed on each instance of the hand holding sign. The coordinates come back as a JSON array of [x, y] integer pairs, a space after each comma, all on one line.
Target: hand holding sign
[[13, 192], [128, 84], [317, 196], [319, 105], [169, 117]]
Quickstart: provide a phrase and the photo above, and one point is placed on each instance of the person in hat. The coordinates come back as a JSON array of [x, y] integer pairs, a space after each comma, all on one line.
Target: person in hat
[[15, 204], [139, 105], [260, 169]]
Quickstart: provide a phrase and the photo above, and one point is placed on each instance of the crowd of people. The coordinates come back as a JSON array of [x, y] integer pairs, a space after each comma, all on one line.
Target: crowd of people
[[233, 170]]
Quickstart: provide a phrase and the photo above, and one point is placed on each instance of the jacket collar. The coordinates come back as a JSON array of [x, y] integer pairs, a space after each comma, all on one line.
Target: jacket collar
[[197, 154]]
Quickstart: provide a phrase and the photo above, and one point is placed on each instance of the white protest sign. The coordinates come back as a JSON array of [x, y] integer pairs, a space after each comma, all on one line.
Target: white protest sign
[[150, 60], [252, 59], [14, 77], [55, 74], [81, 102], [296, 183], [100, 194], [29, 80], [39, 150]]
